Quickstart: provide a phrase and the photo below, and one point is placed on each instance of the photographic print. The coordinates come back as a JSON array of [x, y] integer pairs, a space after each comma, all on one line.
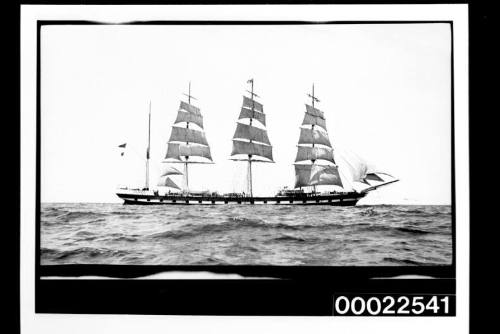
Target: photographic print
[[254, 160], [307, 144]]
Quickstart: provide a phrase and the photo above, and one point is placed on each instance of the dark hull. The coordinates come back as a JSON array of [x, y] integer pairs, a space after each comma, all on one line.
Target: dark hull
[[343, 199]]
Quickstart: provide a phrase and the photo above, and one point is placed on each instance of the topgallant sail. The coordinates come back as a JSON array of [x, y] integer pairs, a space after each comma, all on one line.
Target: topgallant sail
[[320, 178]]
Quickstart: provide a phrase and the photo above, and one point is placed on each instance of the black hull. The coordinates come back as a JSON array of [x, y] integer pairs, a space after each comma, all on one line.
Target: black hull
[[344, 199]]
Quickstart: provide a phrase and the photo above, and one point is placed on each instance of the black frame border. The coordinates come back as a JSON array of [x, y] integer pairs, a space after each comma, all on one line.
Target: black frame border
[[295, 280]]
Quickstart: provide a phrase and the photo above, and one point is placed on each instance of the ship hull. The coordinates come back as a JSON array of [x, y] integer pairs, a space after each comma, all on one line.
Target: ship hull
[[343, 199]]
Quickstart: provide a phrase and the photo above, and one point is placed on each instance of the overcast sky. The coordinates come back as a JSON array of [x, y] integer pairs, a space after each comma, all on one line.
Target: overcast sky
[[385, 91]]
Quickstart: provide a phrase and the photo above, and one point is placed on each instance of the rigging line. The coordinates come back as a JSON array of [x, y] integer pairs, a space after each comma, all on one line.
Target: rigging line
[[140, 156]]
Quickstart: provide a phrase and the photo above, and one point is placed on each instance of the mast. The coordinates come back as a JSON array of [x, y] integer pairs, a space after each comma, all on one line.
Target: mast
[[148, 149], [314, 144], [186, 175], [249, 175], [250, 140], [188, 141], [313, 99]]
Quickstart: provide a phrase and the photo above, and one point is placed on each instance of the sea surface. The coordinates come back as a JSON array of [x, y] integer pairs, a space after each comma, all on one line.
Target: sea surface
[[246, 235]]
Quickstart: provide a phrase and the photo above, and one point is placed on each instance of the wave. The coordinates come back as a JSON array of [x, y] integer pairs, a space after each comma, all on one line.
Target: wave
[[231, 224], [412, 230], [82, 252], [209, 261], [289, 238], [402, 261], [66, 217], [391, 229]]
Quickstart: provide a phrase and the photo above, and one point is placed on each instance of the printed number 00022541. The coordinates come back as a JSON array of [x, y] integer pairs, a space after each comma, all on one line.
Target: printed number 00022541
[[391, 305]]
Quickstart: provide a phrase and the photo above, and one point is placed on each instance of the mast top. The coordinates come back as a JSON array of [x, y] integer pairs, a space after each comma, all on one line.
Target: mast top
[[252, 94], [313, 97], [189, 96]]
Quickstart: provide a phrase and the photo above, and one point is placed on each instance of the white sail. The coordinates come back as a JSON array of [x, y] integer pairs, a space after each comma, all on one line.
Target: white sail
[[169, 170], [302, 175], [176, 151], [244, 131], [314, 112], [184, 135], [190, 108], [252, 104], [313, 175], [356, 166], [325, 175], [310, 119], [314, 153], [184, 116], [247, 113], [241, 147], [167, 182], [374, 177], [310, 136]]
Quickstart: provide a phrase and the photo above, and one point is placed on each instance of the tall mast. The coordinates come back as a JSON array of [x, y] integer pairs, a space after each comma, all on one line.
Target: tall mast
[[186, 175], [149, 146], [249, 140], [186, 141], [250, 191], [249, 175], [313, 99]]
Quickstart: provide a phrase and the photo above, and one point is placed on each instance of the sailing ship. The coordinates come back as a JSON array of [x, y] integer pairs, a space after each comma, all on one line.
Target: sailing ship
[[316, 168]]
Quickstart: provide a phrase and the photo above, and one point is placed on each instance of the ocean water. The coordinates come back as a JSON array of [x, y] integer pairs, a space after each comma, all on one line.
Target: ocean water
[[245, 235]]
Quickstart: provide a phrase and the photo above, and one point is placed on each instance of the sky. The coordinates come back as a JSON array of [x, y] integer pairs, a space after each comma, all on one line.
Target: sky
[[384, 88]]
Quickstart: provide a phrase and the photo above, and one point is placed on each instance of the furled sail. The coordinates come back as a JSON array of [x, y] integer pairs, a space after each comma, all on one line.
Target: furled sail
[[176, 151], [252, 133], [169, 170], [242, 147], [313, 136], [167, 182], [314, 153], [185, 135]]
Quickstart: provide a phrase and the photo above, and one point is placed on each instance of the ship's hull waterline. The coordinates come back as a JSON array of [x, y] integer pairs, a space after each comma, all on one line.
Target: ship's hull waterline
[[345, 199]]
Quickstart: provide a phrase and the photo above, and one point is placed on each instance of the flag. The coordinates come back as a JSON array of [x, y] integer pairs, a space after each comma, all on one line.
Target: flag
[[250, 80], [123, 146]]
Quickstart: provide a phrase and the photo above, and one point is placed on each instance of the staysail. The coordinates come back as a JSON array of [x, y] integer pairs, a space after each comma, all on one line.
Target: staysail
[[186, 142], [362, 174], [250, 142], [314, 146], [167, 182]]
